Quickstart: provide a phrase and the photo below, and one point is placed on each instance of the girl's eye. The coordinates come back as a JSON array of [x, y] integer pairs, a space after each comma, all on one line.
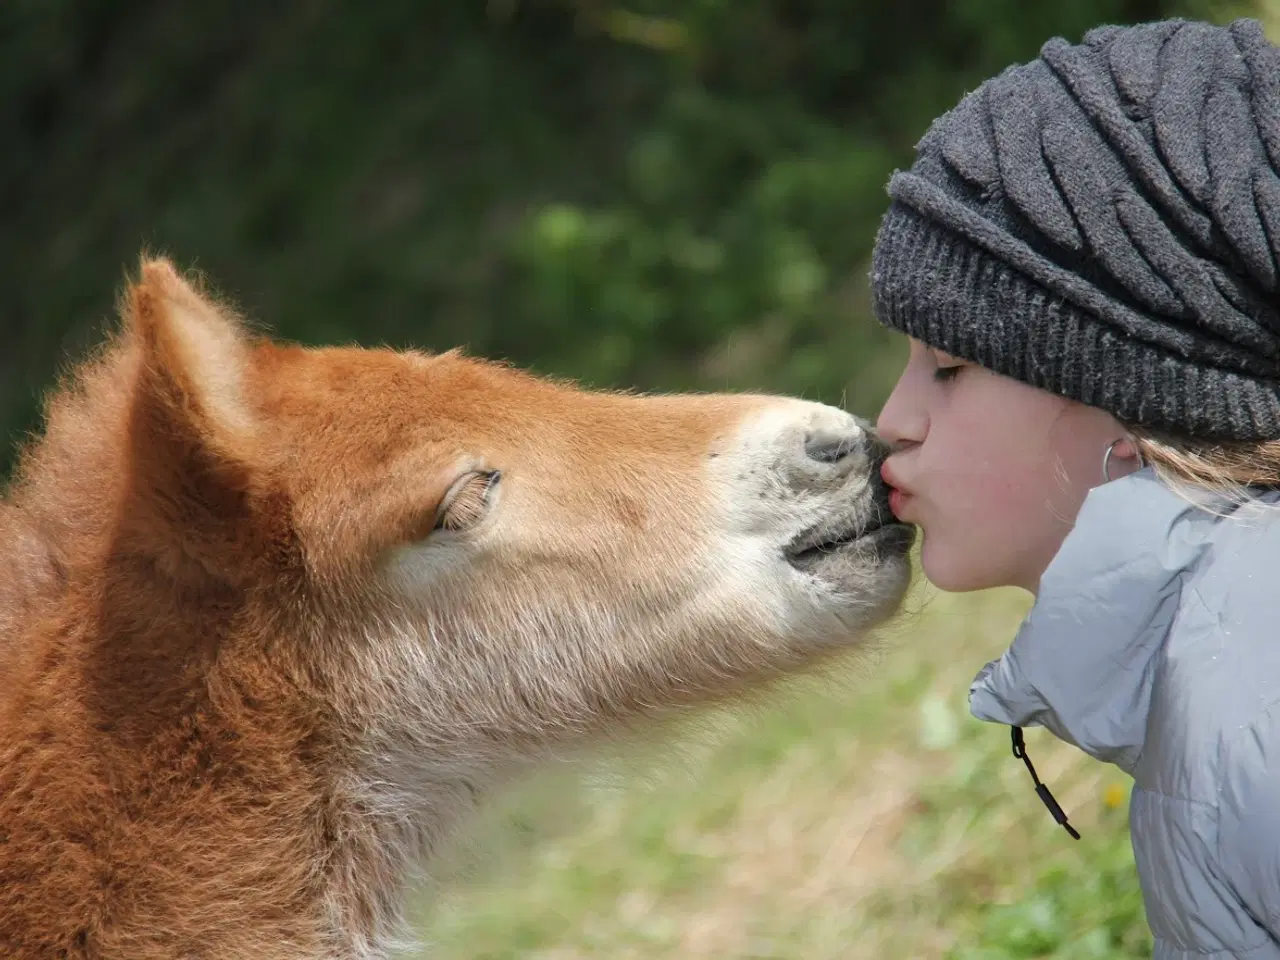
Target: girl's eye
[[944, 374]]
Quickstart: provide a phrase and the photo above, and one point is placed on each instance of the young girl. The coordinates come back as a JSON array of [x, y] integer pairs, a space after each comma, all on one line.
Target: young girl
[[1086, 257]]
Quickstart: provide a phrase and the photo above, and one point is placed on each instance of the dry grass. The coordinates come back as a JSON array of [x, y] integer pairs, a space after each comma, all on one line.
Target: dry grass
[[866, 818]]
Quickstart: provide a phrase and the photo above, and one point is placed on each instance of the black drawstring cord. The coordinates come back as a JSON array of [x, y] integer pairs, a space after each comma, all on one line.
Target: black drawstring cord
[[1020, 751]]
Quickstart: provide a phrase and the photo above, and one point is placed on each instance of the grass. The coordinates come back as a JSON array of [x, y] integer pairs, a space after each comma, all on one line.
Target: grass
[[867, 817]]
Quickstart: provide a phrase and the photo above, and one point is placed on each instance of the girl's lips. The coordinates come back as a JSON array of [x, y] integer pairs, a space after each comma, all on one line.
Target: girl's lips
[[887, 473], [896, 498]]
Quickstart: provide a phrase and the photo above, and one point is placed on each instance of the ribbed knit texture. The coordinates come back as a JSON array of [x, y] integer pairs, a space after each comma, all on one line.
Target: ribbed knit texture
[[1104, 223]]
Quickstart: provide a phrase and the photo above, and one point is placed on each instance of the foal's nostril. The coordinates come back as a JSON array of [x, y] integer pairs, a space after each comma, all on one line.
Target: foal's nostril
[[828, 447]]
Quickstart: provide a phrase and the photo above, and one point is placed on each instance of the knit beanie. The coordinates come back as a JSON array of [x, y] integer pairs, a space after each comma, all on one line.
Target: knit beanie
[[1104, 223]]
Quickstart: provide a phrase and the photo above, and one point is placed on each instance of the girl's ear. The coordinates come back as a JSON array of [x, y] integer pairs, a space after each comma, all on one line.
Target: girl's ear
[[1127, 448], [1121, 457]]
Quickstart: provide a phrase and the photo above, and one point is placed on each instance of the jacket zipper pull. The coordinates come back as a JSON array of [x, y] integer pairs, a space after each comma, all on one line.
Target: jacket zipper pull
[[1020, 751]]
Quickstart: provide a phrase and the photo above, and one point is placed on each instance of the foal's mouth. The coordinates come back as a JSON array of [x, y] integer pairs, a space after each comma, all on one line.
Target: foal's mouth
[[880, 532]]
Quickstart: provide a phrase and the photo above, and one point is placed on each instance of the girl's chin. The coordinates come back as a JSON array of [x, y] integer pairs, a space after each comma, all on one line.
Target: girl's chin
[[955, 570]]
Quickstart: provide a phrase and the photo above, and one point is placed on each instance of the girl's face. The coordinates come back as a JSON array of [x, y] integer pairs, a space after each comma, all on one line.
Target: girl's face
[[993, 471]]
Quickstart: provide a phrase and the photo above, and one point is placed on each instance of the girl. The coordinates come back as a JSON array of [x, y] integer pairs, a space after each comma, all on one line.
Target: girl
[[1086, 257]]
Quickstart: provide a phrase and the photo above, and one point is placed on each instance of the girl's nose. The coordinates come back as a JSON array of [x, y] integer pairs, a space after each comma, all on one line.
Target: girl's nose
[[902, 420]]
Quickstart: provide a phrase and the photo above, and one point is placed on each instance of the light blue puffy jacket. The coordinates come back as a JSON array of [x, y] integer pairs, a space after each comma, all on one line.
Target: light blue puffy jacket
[[1154, 644]]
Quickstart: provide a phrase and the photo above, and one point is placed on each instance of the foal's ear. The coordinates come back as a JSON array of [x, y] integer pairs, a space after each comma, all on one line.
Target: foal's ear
[[194, 359], [192, 432]]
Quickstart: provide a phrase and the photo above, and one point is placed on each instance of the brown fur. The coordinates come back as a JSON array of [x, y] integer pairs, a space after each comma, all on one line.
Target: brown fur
[[241, 698]]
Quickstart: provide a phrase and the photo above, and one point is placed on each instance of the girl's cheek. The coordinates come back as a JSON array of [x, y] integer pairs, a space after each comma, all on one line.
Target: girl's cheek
[[974, 529], [956, 556]]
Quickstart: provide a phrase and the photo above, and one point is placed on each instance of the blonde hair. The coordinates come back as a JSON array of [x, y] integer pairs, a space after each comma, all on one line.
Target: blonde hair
[[1236, 469]]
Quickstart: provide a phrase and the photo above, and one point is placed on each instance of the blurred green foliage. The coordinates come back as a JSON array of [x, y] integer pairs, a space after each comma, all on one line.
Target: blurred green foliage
[[667, 194]]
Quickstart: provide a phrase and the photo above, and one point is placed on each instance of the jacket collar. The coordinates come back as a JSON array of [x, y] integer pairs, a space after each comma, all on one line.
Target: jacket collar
[[1082, 662]]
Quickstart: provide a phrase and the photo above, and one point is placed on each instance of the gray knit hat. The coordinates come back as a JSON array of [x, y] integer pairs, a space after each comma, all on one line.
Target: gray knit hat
[[1104, 223]]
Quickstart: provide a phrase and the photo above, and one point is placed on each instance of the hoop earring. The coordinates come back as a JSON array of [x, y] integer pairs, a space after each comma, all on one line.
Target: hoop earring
[[1106, 459]]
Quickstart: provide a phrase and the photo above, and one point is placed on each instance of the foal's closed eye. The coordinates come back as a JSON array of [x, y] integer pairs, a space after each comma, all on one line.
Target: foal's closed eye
[[467, 501]]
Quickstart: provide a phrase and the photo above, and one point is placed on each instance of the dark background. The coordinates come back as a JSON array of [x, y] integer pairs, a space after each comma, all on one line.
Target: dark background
[[660, 194]]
